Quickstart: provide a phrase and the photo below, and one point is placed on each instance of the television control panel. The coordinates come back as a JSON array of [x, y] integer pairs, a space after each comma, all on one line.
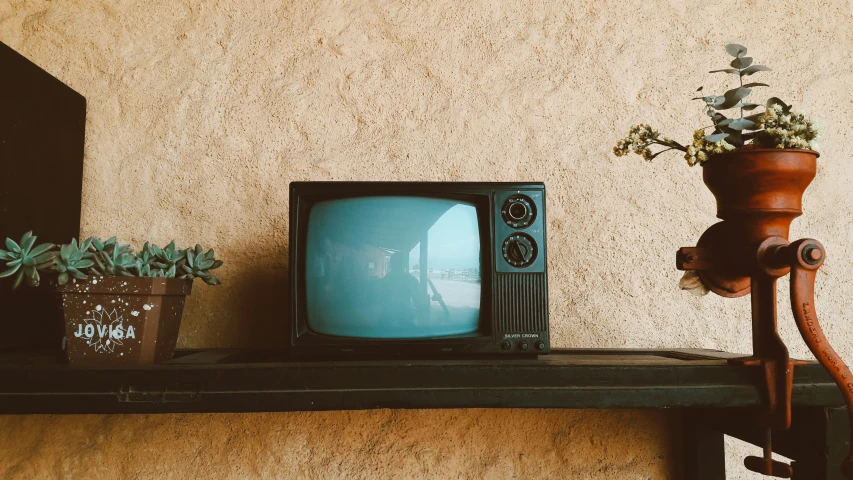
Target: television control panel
[[519, 230]]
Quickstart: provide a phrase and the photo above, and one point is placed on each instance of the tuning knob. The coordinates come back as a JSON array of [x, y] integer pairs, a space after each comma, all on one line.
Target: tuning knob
[[518, 211], [519, 250]]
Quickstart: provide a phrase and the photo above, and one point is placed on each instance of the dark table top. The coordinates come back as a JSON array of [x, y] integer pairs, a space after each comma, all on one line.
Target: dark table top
[[264, 380]]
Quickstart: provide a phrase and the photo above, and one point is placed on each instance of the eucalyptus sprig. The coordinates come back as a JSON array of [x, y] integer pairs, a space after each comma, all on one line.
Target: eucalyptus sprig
[[774, 127]]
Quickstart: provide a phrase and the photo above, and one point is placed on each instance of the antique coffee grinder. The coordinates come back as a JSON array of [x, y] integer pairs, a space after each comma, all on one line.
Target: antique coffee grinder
[[759, 192]]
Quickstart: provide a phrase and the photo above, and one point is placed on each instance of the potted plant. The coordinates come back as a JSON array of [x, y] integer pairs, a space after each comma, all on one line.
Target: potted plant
[[758, 166], [119, 307], [752, 161]]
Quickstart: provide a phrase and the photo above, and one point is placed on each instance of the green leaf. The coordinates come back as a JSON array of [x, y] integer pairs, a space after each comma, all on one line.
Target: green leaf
[[747, 106], [85, 264], [742, 124], [732, 97], [32, 277], [742, 62], [18, 280], [727, 70], [216, 264], [27, 244], [735, 138], [41, 249], [12, 246], [756, 84], [45, 257], [211, 280], [191, 259], [735, 49], [776, 101], [4, 255], [753, 69], [716, 137], [62, 278], [10, 272]]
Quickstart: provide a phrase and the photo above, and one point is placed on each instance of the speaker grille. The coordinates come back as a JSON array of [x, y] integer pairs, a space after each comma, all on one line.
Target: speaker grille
[[521, 302]]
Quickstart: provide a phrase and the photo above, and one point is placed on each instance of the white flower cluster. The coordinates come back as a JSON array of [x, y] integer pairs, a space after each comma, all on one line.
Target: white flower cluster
[[786, 130], [638, 140], [701, 149]]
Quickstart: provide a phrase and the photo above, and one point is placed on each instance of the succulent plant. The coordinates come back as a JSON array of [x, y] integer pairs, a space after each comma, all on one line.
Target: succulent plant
[[77, 261], [171, 258], [26, 259], [147, 264], [775, 127], [111, 258], [73, 259], [199, 265]]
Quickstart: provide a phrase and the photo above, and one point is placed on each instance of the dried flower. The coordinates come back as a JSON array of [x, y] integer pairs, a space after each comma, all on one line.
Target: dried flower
[[783, 129], [701, 149], [638, 140]]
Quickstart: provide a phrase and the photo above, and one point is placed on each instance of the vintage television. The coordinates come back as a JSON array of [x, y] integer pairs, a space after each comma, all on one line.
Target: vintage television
[[438, 269]]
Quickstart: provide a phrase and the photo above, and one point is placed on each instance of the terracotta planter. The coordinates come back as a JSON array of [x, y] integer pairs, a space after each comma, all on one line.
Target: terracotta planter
[[123, 320], [759, 193]]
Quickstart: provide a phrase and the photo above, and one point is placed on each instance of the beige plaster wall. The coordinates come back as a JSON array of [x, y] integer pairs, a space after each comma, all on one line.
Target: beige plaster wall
[[201, 112]]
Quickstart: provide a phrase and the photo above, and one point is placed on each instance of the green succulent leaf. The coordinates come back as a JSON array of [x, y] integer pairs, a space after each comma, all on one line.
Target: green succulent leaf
[[18, 280], [12, 246], [10, 272], [27, 244], [31, 275], [756, 84], [97, 243], [726, 70]]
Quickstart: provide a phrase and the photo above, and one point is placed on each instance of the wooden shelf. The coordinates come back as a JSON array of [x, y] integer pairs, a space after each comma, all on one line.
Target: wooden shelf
[[714, 398], [264, 381]]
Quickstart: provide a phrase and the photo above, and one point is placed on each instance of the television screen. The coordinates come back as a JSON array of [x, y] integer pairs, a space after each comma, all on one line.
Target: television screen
[[393, 267]]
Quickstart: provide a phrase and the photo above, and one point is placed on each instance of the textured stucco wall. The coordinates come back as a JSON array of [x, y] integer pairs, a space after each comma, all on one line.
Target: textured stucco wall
[[200, 113]]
